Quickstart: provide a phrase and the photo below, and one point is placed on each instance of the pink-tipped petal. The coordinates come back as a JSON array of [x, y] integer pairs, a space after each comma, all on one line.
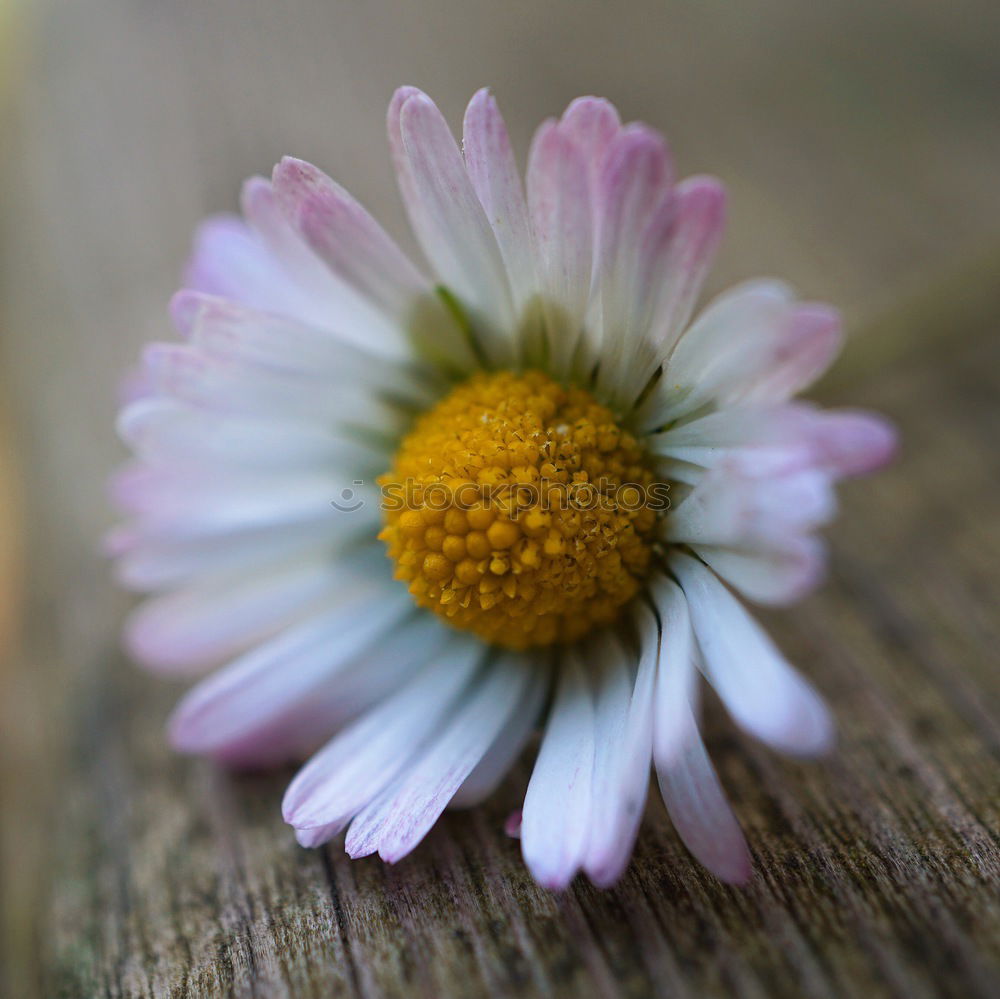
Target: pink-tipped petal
[[592, 123], [323, 299], [231, 260], [160, 557], [732, 508], [317, 836], [781, 439], [512, 824], [185, 307], [718, 350], [752, 346], [691, 241], [562, 219], [195, 503], [228, 331], [854, 442], [228, 260], [808, 341], [634, 183], [451, 225], [674, 249], [764, 439], [355, 248], [400, 161], [489, 160], [635, 178]]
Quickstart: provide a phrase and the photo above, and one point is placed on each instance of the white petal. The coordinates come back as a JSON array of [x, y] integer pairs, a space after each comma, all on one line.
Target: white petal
[[559, 200], [189, 375], [780, 439], [557, 806], [398, 821], [688, 782], [761, 691], [635, 181], [449, 221], [234, 332], [189, 629], [775, 575], [230, 260], [507, 746], [623, 745], [674, 724], [359, 762], [493, 172], [262, 684], [299, 727], [324, 300], [165, 432], [753, 345], [343, 235], [701, 815], [733, 509], [195, 499], [168, 556], [593, 124], [728, 338]]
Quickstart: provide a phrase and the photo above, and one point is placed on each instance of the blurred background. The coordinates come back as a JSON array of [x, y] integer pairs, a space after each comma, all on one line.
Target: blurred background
[[860, 142]]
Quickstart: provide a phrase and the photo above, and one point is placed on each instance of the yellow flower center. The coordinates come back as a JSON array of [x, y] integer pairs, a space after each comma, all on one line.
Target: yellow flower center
[[520, 510]]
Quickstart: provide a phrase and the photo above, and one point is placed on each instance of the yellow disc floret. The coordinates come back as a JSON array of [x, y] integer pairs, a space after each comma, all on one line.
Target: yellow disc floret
[[518, 509]]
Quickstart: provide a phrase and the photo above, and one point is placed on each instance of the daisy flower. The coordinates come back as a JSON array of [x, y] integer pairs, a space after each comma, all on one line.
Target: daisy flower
[[414, 514]]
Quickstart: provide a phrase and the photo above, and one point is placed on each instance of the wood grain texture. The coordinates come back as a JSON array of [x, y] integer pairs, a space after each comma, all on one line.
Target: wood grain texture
[[877, 872], [860, 143]]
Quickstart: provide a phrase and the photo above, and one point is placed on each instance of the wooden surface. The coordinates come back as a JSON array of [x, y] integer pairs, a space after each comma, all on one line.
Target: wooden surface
[[860, 144]]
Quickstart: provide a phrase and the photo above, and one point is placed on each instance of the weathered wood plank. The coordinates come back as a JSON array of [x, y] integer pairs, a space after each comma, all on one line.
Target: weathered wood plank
[[860, 143], [877, 872]]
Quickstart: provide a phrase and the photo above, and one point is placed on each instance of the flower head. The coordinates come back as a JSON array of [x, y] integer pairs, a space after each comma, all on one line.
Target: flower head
[[569, 477]]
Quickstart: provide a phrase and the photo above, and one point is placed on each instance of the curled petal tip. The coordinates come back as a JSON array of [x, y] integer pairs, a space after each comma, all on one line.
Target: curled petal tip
[[290, 172], [710, 193], [883, 443], [736, 871], [184, 308], [512, 825], [403, 93]]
